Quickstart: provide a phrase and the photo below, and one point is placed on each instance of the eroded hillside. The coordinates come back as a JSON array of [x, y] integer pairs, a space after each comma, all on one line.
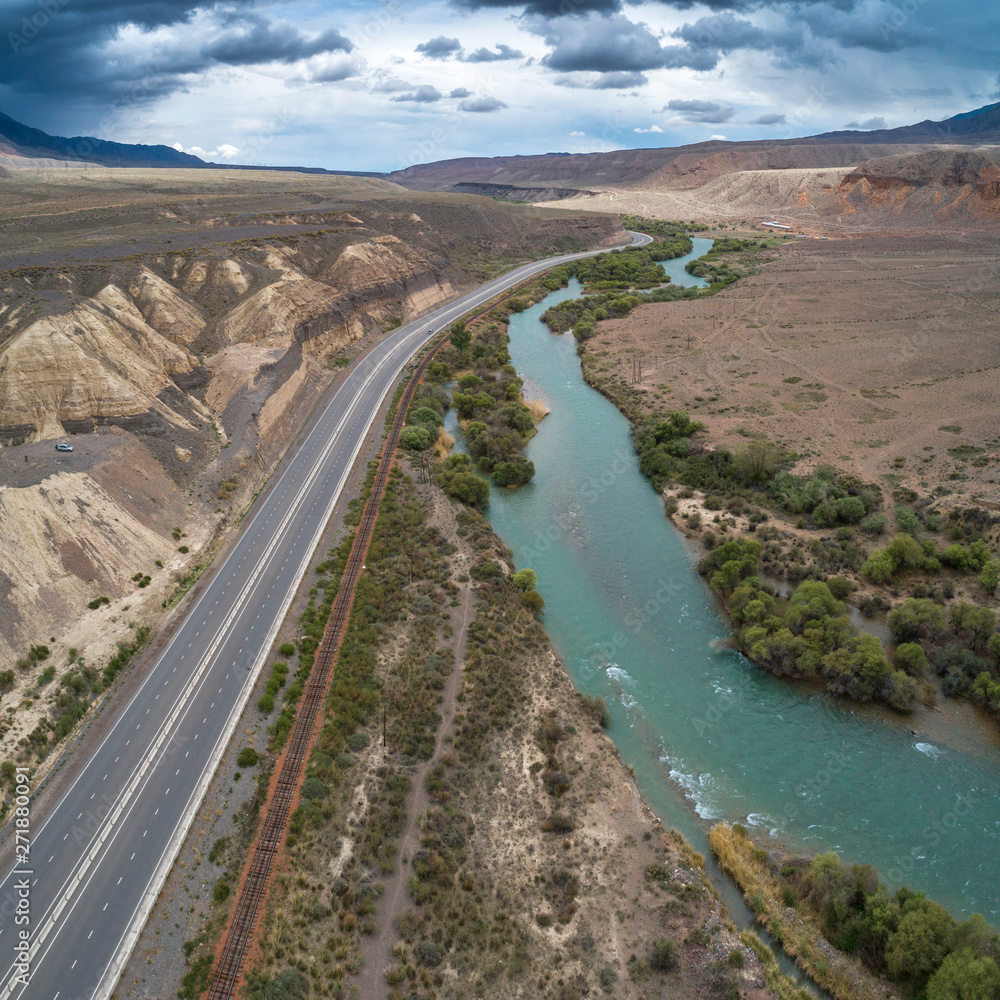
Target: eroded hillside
[[180, 372], [907, 188]]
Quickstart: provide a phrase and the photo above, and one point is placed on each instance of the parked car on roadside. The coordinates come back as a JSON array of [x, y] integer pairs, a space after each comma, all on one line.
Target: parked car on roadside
[[62, 446]]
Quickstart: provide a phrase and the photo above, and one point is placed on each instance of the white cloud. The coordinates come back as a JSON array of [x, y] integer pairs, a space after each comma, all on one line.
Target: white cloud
[[652, 128], [578, 133], [717, 136], [224, 151], [482, 104]]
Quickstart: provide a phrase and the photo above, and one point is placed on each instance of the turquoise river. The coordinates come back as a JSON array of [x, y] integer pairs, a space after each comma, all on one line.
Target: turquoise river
[[709, 735]]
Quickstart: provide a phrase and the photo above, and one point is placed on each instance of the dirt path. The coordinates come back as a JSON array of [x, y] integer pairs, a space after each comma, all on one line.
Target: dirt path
[[377, 950]]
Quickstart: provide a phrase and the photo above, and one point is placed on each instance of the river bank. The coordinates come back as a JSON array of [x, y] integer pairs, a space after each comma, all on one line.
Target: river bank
[[634, 623]]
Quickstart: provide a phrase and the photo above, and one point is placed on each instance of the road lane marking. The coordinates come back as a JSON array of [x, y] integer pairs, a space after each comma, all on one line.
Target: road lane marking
[[392, 357]]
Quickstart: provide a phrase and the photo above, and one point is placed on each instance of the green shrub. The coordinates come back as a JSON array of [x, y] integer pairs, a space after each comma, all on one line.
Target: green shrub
[[964, 975], [663, 955], [291, 984], [415, 438], [840, 586], [358, 741], [265, 703], [850, 510], [918, 617], [516, 472], [248, 757], [286, 649], [525, 579], [314, 789], [533, 601], [989, 579], [221, 891], [875, 524], [911, 659], [425, 415], [429, 954], [598, 708], [907, 521], [608, 978]]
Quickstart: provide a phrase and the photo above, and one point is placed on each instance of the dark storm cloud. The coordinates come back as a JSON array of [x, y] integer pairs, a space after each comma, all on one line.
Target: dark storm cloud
[[702, 112], [439, 48], [460, 92], [425, 94], [769, 120], [64, 54], [258, 40], [716, 35], [614, 45], [486, 55]]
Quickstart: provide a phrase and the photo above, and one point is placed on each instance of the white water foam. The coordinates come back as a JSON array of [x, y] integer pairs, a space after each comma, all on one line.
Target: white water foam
[[699, 788], [624, 680], [764, 821], [929, 750]]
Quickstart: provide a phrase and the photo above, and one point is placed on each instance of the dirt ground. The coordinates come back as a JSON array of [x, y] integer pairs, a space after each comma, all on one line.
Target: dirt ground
[[878, 355]]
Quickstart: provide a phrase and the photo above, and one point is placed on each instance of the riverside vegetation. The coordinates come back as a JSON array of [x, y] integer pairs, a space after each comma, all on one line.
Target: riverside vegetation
[[786, 545], [813, 906], [529, 912], [618, 282], [818, 530]]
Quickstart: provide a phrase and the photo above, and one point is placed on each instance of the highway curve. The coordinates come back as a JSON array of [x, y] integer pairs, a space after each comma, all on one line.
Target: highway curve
[[100, 857]]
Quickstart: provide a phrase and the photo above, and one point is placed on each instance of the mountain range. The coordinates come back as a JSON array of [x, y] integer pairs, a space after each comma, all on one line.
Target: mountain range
[[546, 170]]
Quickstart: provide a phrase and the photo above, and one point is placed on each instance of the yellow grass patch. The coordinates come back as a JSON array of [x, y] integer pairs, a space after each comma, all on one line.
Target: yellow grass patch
[[538, 409], [442, 446]]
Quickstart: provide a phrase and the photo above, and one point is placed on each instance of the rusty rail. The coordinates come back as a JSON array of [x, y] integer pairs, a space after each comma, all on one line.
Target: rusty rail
[[283, 799]]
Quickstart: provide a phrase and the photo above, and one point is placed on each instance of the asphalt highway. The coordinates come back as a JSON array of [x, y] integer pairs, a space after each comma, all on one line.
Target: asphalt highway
[[100, 856]]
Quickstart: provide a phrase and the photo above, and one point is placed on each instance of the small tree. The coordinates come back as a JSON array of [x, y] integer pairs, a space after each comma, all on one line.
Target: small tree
[[757, 461], [989, 579], [526, 579], [964, 975], [460, 337], [425, 416], [911, 659], [415, 438], [534, 601]]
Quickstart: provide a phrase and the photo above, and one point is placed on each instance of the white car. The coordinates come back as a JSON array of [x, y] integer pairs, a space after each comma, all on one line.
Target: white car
[[62, 446]]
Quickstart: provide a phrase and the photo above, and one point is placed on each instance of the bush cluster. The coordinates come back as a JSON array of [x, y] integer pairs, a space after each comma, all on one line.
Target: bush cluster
[[906, 937], [809, 636]]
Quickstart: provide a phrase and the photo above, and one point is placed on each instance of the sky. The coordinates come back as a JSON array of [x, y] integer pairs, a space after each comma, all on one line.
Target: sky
[[382, 84]]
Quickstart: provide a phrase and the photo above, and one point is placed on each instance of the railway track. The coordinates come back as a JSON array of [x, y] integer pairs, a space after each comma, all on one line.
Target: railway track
[[283, 799]]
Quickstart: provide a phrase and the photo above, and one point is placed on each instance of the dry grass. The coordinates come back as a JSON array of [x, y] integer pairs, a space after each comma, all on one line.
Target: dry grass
[[538, 409], [443, 444], [876, 355]]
